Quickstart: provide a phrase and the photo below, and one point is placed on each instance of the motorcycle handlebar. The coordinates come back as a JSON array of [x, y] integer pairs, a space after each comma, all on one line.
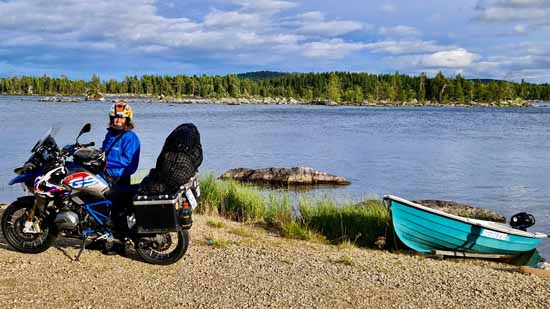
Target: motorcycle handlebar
[[70, 149]]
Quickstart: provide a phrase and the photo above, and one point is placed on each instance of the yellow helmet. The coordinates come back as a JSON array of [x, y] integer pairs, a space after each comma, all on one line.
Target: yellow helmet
[[121, 109]]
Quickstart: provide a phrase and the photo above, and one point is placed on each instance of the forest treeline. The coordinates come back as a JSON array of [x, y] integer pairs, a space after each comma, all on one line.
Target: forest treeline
[[309, 87]]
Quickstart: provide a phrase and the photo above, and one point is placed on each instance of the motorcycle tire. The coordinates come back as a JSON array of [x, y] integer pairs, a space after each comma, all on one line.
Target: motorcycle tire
[[12, 230], [160, 256]]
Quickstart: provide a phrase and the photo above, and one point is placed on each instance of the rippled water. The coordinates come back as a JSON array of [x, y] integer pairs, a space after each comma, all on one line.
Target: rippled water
[[488, 157]]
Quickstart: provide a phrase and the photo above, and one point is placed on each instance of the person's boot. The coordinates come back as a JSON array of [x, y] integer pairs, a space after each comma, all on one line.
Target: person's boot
[[113, 248]]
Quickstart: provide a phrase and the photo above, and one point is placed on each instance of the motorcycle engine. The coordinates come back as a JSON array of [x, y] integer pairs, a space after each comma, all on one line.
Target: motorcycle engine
[[66, 220]]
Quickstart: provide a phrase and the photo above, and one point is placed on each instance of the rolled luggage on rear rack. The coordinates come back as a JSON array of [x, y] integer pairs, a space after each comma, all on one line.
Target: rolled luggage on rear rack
[[167, 212]]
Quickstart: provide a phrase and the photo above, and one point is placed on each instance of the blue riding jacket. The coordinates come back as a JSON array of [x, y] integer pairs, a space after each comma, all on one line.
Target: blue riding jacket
[[123, 159]]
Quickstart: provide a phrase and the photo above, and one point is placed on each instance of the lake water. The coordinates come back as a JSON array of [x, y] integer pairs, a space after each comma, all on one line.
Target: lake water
[[488, 157]]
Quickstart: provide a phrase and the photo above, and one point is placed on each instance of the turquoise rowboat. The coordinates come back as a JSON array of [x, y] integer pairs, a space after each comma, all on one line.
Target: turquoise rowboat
[[428, 230]]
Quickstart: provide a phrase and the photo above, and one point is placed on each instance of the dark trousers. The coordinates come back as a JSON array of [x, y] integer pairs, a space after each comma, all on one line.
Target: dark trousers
[[121, 197], [120, 181]]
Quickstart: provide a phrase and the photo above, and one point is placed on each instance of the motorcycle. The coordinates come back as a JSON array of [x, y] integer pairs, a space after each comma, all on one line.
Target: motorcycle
[[73, 198]]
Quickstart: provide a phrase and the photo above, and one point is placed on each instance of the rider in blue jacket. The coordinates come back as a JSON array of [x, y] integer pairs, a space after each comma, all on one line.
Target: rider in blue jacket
[[121, 145]]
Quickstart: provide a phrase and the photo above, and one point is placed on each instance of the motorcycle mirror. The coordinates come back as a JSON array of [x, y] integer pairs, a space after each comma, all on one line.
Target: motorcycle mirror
[[85, 129]]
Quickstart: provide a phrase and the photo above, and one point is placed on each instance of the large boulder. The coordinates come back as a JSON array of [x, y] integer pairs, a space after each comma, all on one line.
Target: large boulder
[[284, 176], [463, 210]]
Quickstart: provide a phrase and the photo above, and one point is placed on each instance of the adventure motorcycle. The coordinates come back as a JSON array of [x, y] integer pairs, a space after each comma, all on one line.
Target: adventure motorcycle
[[75, 199]]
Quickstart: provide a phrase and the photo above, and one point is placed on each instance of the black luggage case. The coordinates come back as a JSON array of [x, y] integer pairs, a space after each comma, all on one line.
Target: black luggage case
[[166, 213]]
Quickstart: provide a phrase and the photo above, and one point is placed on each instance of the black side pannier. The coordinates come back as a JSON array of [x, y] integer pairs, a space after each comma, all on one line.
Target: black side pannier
[[178, 161], [168, 212]]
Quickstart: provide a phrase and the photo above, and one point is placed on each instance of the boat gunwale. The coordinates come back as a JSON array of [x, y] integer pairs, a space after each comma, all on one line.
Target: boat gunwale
[[495, 226]]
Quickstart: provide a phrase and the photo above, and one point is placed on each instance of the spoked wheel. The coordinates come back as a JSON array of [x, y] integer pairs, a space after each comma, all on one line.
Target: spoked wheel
[[13, 221], [163, 249]]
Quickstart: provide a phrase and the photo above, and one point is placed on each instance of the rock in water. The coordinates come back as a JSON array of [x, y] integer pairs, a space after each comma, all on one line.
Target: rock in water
[[284, 176], [463, 210]]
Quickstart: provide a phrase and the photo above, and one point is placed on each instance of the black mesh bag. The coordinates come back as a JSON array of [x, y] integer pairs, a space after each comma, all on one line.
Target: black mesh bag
[[178, 161], [185, 139]]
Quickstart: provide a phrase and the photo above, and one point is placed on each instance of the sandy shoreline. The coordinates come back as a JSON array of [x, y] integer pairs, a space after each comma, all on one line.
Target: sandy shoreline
[[255, 269]]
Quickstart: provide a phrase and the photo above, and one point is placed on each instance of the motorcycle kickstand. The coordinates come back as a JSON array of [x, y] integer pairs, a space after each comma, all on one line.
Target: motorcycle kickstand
[[82, 247]]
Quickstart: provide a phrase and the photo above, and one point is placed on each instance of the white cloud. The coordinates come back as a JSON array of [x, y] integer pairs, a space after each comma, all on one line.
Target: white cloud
[[456, 58], [264, 6], [312, 16], [231, 19], [530, 61], [334, 49], [388, 8], [534, 12], [517, 3], [399, 31], [330, 28], [313, 23], [404, 47], [520, 29], [499, 14]]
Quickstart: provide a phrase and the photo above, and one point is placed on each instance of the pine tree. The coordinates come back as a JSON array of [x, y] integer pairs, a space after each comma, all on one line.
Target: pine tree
[[422, 88], [459, 92], [439, 86], [333, 89]]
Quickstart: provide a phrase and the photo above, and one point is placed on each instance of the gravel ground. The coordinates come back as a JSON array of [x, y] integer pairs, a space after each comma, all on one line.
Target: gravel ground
[[243, 266]]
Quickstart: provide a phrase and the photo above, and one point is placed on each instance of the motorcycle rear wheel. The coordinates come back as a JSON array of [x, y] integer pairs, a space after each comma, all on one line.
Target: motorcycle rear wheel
[[169, 251], [13, 221]]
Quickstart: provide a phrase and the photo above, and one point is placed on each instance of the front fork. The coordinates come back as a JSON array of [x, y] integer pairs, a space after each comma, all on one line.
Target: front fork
[[32, 226]]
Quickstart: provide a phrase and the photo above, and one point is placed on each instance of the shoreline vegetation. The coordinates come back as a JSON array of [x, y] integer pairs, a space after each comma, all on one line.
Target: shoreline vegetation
[[330, 88], [320, 219]]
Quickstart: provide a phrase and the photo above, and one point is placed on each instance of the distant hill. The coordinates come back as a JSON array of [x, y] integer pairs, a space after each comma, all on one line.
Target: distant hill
[[486, 80], [262, 75]]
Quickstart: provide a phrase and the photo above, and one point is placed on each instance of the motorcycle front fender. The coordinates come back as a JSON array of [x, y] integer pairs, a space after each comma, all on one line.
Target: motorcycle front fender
[[26, 200], [24, 178]]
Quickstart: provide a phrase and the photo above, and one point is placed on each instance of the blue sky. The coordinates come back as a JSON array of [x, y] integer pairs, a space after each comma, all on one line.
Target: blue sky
[[505, 39]]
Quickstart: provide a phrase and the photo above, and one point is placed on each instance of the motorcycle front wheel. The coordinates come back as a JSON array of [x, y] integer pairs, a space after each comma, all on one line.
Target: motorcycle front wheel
[[13, 222], [163, 249]]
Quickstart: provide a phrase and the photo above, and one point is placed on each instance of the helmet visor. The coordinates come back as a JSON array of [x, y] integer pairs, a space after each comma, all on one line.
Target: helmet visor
[[119, 111]]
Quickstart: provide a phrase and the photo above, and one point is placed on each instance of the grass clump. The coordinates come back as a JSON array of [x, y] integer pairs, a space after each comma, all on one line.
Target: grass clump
[[295, 230], [215, 224], [345, 260], [346, 245], [230, 199], [213, 194], [243, 203], [359, 223], [217, 243], [278, 211], [241, 231]]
